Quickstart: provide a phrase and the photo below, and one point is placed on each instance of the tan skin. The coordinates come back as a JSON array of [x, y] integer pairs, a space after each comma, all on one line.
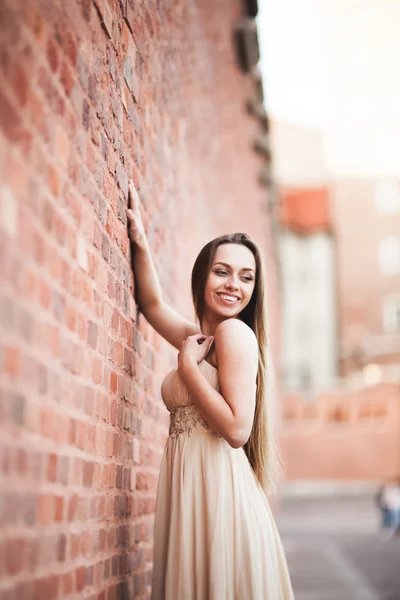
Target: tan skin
[[228, 290]]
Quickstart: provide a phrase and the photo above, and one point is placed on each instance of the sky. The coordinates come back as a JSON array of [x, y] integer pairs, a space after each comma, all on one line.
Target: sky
[[292, 59], [331, 65]]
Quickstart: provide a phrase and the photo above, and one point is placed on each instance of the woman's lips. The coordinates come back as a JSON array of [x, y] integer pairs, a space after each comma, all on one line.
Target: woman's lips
[[227, 298]]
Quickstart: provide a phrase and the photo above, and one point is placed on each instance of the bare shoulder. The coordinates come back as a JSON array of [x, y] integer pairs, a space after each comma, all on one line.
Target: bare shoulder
[[233, 328], [237, 338]]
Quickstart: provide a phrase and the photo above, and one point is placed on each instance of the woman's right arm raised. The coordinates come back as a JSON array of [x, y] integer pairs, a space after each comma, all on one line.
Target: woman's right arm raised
[[166, 321]]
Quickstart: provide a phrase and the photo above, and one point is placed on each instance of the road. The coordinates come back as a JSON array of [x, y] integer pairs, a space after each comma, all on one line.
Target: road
[[334, 550]]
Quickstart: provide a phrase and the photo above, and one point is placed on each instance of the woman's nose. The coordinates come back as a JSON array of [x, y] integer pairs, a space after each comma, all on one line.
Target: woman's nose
[[233, 282]]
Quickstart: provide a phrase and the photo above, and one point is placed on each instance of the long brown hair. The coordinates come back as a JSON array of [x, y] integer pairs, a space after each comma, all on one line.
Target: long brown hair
[[260, 447]]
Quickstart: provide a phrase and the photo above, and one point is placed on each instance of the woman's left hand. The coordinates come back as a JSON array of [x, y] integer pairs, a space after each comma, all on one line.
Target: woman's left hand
[[194, 349]]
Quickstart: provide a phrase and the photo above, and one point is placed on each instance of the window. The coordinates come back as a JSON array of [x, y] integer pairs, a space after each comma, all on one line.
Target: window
[[391, 314], [305, 377], [389, 255], [387, 198]]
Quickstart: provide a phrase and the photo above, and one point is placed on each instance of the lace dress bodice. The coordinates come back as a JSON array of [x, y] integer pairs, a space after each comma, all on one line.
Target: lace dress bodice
[[184, 414]]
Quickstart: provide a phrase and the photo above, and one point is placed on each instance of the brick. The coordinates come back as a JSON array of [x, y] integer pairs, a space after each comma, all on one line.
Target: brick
[[18, 409], [21, 85], [66, 39], [67, 584], [7, 313], [14, 556], [54, 181], [81, 253], [45, 509], [22, 462], [59, 509], [142, 481], [83, 71], [131, 78], [46, 588], [113, 382], [92, 334], [62, 547], [26, 325], [74, 544], [86, 114], [61, 145], [104, 150], [52, 468], [12, 361], [67, 79], [9, 119], [93, 94], [88, 470], [132, 480], [129, 14], [53, 54], [86, 9], [109, 444], [8, 211], [63, 463], [106, 15], [80, 575], [136, 451]]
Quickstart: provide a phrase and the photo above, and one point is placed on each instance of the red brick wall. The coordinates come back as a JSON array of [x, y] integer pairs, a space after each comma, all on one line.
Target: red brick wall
[[347, 435], [92, 93]]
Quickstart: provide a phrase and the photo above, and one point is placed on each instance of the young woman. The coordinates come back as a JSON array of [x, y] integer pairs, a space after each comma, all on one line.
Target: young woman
[[214, 537]]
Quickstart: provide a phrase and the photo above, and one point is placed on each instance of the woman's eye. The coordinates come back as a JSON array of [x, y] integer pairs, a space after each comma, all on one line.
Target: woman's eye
[[248, 278], [220, 272]]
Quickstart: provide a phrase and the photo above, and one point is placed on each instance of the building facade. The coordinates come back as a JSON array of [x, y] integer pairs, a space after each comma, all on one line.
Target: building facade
[[333, 104], [93, 93], [340, 323]]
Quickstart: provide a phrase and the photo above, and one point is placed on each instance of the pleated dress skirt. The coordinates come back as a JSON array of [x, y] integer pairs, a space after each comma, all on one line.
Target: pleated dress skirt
[[215, 537]]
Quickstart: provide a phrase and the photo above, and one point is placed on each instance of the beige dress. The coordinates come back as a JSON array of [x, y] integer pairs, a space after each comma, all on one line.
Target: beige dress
[[215, 537]]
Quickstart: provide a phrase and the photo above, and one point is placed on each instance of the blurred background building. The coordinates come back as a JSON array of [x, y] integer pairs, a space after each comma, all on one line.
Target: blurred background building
[[332, 94]]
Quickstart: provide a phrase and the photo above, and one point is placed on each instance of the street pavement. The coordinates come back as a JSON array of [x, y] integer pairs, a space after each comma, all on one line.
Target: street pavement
[[335, 552]]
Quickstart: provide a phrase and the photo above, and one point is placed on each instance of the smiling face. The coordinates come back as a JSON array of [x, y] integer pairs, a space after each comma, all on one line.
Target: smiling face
[[230, 282]]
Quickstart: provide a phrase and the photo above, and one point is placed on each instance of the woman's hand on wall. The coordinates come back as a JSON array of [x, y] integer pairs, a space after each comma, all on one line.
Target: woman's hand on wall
[[135, 223]]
